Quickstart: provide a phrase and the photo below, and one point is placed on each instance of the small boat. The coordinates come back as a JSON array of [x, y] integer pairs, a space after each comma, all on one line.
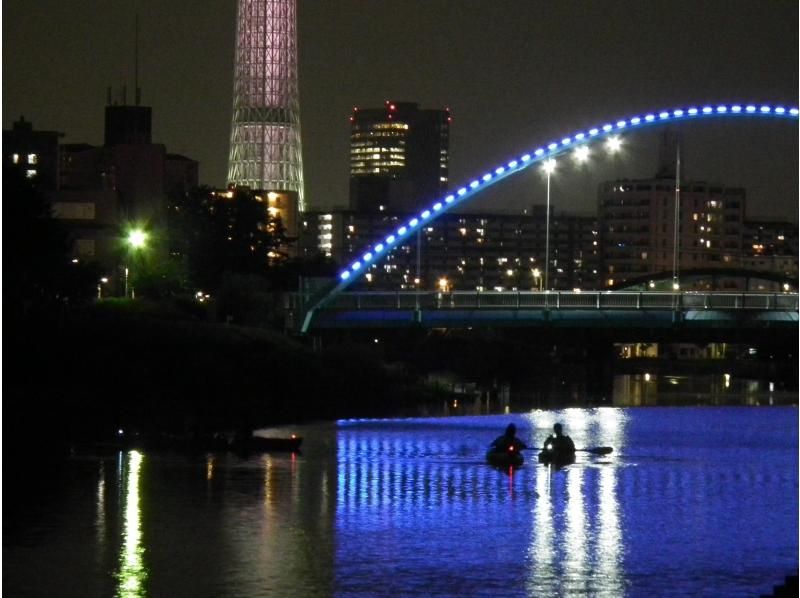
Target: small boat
[[557, 458], [509, 457]]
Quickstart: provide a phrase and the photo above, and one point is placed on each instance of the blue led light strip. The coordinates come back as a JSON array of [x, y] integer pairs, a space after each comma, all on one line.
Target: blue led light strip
[[373, 254]]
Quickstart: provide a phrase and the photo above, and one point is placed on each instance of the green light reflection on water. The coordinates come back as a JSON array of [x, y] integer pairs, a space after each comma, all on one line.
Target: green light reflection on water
[[132, 569]]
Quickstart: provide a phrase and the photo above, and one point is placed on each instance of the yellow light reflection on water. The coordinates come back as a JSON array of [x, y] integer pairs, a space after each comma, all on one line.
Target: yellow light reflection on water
[[100, 521], [132, 572]]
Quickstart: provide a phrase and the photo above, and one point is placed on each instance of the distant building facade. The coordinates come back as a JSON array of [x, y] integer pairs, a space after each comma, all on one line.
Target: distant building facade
[[36, 153], [99, 191], [462, 252], [399, 157], [637, 223]]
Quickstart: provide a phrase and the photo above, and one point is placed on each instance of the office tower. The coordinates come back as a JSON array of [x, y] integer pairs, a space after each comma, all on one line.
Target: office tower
[[399, 157], [265, 150]]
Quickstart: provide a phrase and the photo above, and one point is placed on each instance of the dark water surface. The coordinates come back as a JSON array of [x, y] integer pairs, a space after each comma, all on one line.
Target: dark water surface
[[695, 501]]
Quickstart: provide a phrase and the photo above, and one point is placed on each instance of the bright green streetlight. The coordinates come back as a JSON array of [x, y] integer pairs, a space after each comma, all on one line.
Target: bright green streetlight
[[137, 238]]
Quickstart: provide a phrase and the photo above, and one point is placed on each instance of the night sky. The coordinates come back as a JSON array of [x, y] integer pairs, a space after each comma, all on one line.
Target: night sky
[[516, 75]]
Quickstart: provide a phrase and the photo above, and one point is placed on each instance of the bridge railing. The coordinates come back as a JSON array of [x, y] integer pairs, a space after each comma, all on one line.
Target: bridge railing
[[428, 300]]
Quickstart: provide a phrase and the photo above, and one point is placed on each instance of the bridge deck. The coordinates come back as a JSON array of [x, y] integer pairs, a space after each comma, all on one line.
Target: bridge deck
[[559, 309]]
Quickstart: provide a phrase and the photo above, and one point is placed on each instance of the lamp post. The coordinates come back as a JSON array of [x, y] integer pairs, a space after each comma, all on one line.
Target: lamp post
[[100, 283], [549, 166], [676, 239], [537, 278], [136, 240]]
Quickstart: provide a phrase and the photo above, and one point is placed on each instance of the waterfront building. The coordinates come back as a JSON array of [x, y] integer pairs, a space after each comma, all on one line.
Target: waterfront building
[[399, 157], [771, 246], [265, 150]]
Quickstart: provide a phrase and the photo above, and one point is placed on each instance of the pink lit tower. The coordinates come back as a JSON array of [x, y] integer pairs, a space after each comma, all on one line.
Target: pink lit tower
[[265, 149]]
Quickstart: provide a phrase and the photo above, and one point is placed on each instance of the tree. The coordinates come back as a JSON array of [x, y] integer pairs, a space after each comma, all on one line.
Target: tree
[[38, 272], [221, 233]]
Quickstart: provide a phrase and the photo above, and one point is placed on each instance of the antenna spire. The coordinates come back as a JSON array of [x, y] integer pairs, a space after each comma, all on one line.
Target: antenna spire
[[137, 90]]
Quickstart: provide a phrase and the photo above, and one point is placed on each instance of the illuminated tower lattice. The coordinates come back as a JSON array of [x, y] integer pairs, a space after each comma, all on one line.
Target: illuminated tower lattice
[[265, 134]]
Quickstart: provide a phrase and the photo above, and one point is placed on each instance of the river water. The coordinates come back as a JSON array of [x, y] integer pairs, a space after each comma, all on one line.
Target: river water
[[694, 501]]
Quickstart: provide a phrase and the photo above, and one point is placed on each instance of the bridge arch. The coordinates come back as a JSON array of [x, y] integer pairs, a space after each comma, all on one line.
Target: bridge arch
[[375, 253]]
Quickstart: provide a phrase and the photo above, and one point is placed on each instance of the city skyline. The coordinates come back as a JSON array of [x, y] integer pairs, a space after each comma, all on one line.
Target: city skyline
[[514, 75]]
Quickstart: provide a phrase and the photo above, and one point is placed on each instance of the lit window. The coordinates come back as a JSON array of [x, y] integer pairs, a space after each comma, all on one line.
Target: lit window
[[30, 173], [15, 158]]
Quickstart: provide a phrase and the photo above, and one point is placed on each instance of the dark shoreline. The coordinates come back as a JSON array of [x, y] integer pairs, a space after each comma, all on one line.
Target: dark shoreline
[[80, 377]]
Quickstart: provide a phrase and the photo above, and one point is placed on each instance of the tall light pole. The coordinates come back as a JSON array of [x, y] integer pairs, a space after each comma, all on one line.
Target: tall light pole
[[136, 240], [676, 238], [549, 166]]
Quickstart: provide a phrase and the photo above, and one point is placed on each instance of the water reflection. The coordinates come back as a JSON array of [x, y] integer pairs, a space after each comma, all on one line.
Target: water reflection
[[609, 537], [133, 571], [576, 540], [650, 389], [100, 518]]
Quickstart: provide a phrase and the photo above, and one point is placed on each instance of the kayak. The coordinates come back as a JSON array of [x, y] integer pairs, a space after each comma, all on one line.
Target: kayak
[[504, 458], [556, 458]]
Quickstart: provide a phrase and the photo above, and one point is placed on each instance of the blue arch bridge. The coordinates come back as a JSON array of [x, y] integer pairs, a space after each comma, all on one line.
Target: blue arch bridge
[[332, 307]]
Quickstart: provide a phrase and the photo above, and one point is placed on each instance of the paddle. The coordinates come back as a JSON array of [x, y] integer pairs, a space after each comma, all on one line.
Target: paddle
[[598, 450]]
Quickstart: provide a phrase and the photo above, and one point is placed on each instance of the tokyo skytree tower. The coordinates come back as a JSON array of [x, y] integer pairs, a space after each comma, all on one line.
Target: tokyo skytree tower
[[265, 149]]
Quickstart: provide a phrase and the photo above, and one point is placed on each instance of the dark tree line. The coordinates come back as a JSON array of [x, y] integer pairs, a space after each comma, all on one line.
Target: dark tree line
[[218, 238], [38, 274]]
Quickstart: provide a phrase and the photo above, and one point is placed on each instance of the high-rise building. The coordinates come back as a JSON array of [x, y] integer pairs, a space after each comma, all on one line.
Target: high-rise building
[[399, 157], [265, 151]]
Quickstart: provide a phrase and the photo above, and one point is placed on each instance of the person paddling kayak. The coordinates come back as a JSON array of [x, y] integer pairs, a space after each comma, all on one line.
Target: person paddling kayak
[[506, 449], [508, 440], [558, 448]]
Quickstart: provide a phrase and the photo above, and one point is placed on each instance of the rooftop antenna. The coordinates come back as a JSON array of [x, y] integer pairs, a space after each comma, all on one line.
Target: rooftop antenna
[[137, 91]]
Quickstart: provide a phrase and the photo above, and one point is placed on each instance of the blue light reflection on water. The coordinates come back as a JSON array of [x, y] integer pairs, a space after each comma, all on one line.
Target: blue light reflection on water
[[663, 515], [693, 501]]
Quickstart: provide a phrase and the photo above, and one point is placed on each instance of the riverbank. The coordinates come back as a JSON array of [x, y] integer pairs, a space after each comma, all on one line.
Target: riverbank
[[93, 371]]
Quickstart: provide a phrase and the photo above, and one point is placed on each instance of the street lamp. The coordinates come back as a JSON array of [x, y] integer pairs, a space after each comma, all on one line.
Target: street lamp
[[549, 166], [614, 145], [537, 278], [136, 240], [581, 154], [100, 284]]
